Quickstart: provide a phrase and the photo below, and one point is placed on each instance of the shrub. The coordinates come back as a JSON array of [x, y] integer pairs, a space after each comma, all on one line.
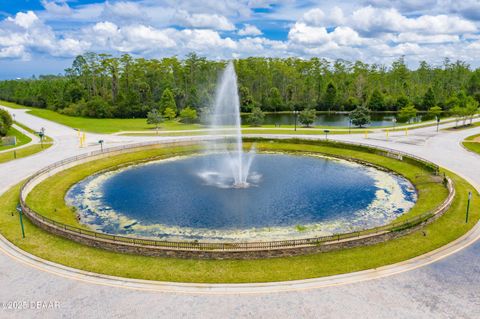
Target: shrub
[[360, 116], [188, 115], [256, 117], [307, 117], [169, 113], [5, 122]]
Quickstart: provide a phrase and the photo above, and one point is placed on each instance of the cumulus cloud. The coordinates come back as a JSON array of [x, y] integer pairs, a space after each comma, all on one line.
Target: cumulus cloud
[[302, 33], [57, 8], [201, 20], [26, 32], [374, 20], [373, 30], [146, 39], [249, 29]]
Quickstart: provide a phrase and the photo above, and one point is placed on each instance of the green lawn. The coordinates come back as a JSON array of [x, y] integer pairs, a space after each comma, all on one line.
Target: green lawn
[[463, 127], [119, 125], [23, 152], [107, 125], [13, 105], [472, 145], [22, 139], [63, 251]]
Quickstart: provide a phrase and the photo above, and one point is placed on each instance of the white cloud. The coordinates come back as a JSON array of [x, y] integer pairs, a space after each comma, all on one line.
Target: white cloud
[[425, 38], [201, 20], [57, 8], [249, 29], [373, 30], [301, 33], [15, 51], [317, 17], [314, 17], [123, 9], [26, 32], [24, 20], [374, 20]]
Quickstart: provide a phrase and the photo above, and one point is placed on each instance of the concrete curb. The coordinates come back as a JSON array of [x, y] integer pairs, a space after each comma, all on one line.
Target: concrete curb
[[252, 288]]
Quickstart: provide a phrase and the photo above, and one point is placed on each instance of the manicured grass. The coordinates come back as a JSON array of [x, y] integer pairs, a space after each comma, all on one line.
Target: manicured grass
[[23, 152], [107, 125], [472, 146], [257, 130], [472, 143], [461, 127], [45, 245], [12, 105], [22, 139], [473, 137], [54, 248]]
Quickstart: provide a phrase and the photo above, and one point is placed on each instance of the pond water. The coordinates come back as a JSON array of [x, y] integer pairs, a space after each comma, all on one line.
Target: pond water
[[324, 119], [290, 196]]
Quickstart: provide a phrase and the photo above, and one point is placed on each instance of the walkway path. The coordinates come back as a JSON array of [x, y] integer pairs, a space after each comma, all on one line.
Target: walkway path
[[447, 288]]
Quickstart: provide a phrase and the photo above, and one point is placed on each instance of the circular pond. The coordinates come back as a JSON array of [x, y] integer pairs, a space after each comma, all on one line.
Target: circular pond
[[288, 197]]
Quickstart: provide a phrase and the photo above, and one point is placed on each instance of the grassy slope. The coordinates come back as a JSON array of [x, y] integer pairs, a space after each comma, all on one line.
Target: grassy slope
[[22, 139], [23, 152]]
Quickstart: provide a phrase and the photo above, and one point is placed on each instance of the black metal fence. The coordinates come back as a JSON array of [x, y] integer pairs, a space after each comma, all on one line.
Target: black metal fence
[[223, 246]]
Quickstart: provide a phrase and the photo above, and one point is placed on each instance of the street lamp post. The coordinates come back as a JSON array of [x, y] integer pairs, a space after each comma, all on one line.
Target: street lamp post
[[19, 209], [468, 206], [438, 121], [295, 112]]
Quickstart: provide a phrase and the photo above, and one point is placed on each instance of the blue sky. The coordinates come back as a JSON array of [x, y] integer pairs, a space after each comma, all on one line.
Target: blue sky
[[43, 36]]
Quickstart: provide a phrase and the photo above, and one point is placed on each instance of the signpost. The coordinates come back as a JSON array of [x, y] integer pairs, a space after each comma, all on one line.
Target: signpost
[[326, 133], [41, 134]]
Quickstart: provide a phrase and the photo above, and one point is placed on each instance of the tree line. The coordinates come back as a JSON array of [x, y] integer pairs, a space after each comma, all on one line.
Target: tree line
[[104, 86]]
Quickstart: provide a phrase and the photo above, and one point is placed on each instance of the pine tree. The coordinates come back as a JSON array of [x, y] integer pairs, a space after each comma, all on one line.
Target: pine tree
[[167, 101], [428, 99], [330, 97], [376, 102]]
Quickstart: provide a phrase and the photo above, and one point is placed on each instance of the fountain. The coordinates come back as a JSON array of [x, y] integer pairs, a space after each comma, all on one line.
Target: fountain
[[219, 196], [233, 168]]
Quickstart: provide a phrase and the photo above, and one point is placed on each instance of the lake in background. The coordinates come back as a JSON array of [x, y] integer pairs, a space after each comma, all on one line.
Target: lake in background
[[325, 119]]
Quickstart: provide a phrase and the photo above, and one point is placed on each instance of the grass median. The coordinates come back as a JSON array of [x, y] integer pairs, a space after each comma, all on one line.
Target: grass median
[[472, 143], [21, 138]]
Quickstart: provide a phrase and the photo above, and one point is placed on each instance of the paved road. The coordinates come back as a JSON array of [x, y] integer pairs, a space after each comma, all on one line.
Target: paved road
[[449, 288]]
